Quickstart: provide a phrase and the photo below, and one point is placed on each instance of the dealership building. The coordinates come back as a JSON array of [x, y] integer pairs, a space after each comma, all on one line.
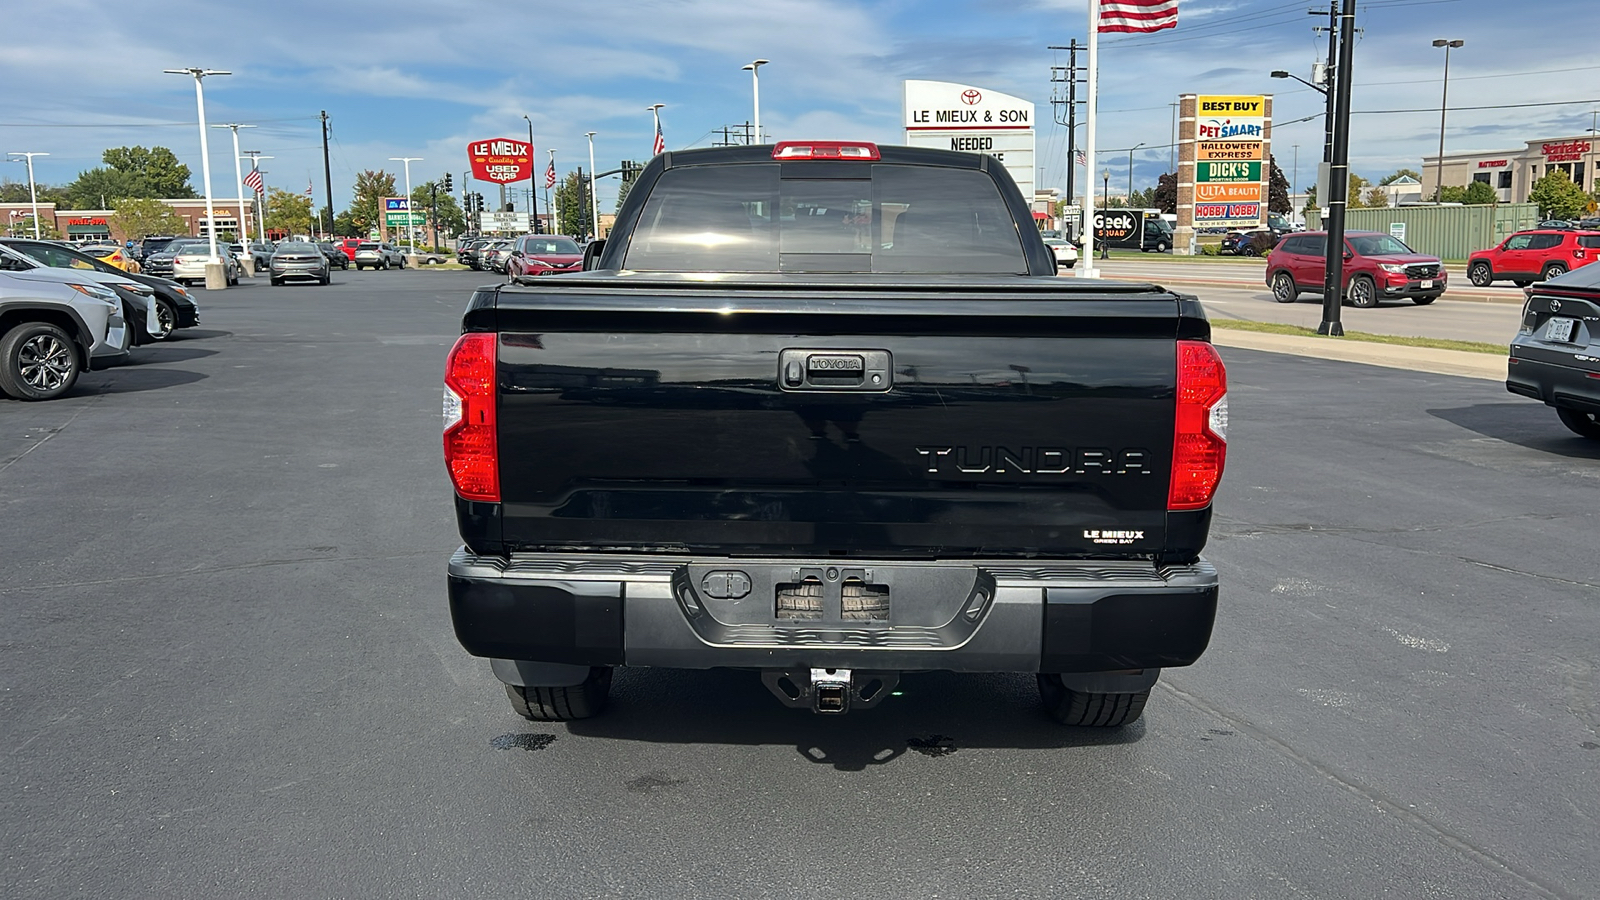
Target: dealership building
[[101, 224], [1512, 173]]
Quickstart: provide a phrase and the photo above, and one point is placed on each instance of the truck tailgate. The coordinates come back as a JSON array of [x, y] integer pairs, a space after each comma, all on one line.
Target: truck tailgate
[[1016, 417]]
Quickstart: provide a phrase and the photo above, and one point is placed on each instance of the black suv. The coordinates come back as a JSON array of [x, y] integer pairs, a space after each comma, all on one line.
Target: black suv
[[1555, 356]]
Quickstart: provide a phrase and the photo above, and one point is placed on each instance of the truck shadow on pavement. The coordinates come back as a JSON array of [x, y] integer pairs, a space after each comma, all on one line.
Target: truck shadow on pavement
[[1528, 424], [935, 714], [126, 380]]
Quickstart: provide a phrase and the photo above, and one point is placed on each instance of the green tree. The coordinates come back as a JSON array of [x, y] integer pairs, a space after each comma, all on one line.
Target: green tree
[[572, 205], [1358, 188], [344, 225], [451, 220], [101, 188], [1557, 197], [1451, 193], [288, 212], [139, 217], [17, 192], [1311, 198], [1278, 190], [366, 207], [1479, 193], [1165, 197], [1376, 198], [1398, 174], [155, 170]]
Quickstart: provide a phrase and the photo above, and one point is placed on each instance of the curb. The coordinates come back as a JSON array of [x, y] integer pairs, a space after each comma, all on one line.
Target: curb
[[1449, 295], [1416, 359]]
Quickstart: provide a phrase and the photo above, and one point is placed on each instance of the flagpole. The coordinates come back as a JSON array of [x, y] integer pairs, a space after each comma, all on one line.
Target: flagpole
[[1086, 262]]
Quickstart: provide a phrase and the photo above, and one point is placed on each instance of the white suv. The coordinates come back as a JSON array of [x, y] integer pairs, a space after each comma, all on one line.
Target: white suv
[[58, 324], [378, 255]]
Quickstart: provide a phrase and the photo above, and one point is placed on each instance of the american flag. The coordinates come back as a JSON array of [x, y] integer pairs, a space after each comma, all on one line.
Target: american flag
[[550, 175], [308, 189], [1138, 15], [253, 182], [661, 142], [1079, 158]]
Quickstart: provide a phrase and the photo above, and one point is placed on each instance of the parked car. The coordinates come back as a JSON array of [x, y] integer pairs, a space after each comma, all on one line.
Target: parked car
[[348, 246], [1557, 224], [470, 253], [300, 261], [1555, 355], [156, 243], [113, 255], [1248, 243], [1377, 266], [424, 255], [495, 255], [335, 254], [189, 263], [1529, 256], [378, 255], [261, 253], [1065, 251], [173, 306], [542, 254], [54, 325], [159, 254]]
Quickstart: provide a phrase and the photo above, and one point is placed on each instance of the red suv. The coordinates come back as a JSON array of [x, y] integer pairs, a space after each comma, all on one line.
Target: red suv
[[544, 254], [1376, 266], [1529, 256], [349, 246]]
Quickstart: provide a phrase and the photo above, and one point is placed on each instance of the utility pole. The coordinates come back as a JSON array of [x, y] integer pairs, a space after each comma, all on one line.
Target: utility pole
[[1069, 75], [327, 171], [1339, 180], [1329, 73]]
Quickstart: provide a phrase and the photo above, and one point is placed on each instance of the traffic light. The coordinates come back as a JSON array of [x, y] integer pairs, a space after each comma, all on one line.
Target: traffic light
[[449, 183], [630, 171]]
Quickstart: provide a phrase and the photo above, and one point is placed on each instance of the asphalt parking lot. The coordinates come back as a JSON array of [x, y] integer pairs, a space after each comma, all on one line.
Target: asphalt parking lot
[[227, 667]]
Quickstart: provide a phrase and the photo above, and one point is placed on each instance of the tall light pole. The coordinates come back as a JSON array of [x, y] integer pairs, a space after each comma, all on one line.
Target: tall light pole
[[33, 193], [1105, 249], [655, 110], [238, 182], [1130, 171], [1438, 181], [411, 234], [261, 198], [594, 199], [754, 68], [555, 214], [533, 173], [216, 274]]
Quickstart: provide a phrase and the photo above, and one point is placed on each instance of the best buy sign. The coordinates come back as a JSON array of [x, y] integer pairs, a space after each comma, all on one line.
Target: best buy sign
[[1227, 170]]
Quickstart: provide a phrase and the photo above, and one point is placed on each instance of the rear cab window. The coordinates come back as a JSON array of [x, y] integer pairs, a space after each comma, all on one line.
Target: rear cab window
[[826, 217]]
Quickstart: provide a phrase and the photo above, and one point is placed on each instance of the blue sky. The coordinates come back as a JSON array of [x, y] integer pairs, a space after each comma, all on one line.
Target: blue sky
[[408, 78]]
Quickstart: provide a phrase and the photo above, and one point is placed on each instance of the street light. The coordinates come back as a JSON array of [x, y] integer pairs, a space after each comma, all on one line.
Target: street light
[[1326, 90], [1438, 181], [533, 172], [1130, 170], [1105, 203], [754, 67], [594, 201], [216, 275], [411, 234], [33, 194], [1279, 73], [238, 182]]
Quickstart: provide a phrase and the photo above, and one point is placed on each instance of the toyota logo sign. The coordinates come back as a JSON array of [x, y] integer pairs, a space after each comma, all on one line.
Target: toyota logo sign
[[971, 97]]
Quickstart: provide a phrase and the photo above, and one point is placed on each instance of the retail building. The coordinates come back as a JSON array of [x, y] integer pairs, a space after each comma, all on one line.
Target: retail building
[[1512, 173], [101, 224]]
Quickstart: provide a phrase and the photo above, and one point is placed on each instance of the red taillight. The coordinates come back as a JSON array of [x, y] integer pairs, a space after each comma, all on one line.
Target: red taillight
[[471, 446], [1200, 429], [791, 150]]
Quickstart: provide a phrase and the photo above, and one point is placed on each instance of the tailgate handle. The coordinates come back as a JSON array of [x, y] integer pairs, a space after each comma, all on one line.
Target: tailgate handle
[[835, 370]]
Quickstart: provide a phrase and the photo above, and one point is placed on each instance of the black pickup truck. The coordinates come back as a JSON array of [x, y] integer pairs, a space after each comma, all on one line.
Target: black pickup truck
[[825, 412]]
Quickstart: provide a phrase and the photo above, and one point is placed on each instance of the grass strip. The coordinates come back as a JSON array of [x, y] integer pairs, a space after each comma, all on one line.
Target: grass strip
[[1297, 331]]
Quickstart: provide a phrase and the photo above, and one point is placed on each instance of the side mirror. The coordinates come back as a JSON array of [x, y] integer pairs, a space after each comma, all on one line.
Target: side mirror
[[591, 254], [517, 253], [1349, 256]]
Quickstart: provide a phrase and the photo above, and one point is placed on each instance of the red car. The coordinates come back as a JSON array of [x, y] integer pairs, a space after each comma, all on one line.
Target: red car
[[1529, 256], [544, 254], [1376, 266], [348, 245]]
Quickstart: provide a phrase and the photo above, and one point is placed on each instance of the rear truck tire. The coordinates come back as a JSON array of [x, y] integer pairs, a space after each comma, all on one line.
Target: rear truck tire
[[37, 362], [166, 320], [1283, 288], [1481, 274], [1584, 424], [1522, 282], [563, 704], [1424, 301], [1554, 270], [1090, 709], [1363, 293]]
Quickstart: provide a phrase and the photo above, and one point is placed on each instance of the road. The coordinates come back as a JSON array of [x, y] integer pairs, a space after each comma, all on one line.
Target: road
[[1236, 289], [228, 668]]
